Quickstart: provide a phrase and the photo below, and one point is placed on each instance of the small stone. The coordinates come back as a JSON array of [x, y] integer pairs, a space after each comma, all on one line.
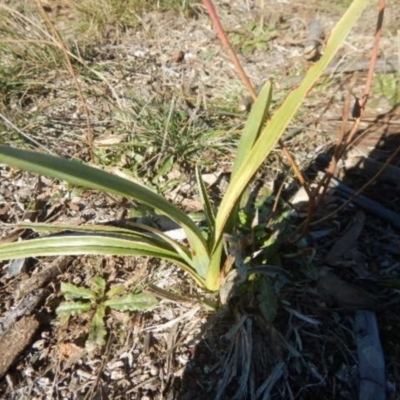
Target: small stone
[[178, 57], [154, 370]]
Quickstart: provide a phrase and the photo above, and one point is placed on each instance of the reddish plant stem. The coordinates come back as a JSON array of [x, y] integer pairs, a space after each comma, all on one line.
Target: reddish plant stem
[[225, 41], [367, 90]]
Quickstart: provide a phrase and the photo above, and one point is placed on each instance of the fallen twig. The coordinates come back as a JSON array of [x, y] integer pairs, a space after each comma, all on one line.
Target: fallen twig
[[363, 202], [371, 363]]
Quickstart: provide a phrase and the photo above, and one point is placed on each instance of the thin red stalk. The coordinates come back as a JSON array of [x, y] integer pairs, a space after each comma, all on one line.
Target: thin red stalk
[[367, 90], [225, 41]]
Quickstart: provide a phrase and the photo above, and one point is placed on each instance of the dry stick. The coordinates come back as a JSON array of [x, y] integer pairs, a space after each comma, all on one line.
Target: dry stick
[[356, 194], [337, 153], [225, 41], [345, 139], [89, 135], [373, 60], [340, 149]]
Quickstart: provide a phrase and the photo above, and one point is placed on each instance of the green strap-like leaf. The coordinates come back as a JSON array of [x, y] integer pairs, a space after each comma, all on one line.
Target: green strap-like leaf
[[143, 233], [282, 117], [255, 121], [92, 244], [93, 178], [208, 209]]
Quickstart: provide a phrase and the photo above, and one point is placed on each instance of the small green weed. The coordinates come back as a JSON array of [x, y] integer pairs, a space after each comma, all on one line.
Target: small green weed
[[253, 36], [161, 136], [97, 299], [388, 85]]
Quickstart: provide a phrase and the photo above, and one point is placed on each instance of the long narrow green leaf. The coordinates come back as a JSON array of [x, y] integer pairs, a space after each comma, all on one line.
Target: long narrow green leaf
[[144, 233], [208, 209], [82, 244], [282, 117], [214, 268], [92, 244], [88, 177], [251, 132], [57, 228], [107, 230], [180, 250], [255, 121]]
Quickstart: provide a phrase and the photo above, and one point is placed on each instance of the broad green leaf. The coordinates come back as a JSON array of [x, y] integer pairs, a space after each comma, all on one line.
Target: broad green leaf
[[97, 330], [71, 291], [68, 309], [93, 178], [282, 117], [132, 302]]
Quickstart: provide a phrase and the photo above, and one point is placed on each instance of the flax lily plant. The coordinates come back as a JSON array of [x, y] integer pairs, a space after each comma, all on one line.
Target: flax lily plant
[[202, 256]]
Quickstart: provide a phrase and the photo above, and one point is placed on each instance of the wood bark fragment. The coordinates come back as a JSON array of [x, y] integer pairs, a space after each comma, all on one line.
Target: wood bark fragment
[[371, 363], [13, 342], [58, 266], [348, 240], [24, 308], [344, 294], [368, 205]]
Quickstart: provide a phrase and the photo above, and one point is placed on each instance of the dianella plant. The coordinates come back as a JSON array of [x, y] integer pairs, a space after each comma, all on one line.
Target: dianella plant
[[201, 255]]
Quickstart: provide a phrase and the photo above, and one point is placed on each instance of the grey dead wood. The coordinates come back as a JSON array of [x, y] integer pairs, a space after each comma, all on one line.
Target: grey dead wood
[[371, 167], [13, 342], [17, 266], [348, 240], [368, 205], [23, 309], [371, 363], [57, 267]]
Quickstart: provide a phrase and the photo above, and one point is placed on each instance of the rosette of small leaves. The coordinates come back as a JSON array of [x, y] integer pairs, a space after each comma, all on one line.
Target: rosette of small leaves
[[97, 300]]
